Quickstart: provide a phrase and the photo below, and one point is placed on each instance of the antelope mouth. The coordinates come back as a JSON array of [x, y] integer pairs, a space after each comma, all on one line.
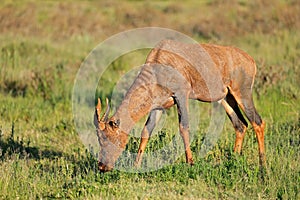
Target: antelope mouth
[[104, 168]]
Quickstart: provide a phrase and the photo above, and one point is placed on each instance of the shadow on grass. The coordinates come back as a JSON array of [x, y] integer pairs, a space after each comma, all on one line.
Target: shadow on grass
[[11, 146]]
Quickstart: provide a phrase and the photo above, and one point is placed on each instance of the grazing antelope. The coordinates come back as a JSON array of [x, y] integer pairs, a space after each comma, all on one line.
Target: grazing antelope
[[173, 73]]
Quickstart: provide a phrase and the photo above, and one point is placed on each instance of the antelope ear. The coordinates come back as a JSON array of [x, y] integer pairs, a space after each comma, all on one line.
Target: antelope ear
[[105, 115]]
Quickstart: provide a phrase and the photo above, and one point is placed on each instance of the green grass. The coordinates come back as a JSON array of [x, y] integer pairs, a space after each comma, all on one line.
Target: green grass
[[41, 48]]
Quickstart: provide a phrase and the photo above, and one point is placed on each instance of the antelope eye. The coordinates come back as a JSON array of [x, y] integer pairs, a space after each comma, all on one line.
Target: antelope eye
[[111, 123]]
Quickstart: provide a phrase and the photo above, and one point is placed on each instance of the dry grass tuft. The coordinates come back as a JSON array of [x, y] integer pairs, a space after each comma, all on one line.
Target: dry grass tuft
[[215, 19]]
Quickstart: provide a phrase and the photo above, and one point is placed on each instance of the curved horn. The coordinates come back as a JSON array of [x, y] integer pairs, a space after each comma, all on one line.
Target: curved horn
[[105, 116], [98, 110]]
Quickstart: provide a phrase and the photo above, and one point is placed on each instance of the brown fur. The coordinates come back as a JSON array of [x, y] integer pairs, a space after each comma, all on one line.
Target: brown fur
[[173, 73]]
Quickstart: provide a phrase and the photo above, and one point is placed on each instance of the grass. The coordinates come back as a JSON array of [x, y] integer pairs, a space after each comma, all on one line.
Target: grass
[[42, 46]]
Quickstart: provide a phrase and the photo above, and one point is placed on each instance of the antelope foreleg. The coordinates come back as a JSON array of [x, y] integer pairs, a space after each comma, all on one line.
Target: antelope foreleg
[[146, 133]]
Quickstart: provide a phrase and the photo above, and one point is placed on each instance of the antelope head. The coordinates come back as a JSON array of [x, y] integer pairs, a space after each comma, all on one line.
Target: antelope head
[[111, 138]]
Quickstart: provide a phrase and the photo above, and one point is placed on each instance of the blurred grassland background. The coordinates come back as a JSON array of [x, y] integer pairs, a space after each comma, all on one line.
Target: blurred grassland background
[[42, 44]]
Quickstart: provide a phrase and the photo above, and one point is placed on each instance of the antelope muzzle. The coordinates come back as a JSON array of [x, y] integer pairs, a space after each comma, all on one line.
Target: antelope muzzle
[[104, 168]]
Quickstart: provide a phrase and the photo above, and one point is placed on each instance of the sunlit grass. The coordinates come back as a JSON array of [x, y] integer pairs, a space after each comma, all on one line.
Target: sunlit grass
[[41, 154]]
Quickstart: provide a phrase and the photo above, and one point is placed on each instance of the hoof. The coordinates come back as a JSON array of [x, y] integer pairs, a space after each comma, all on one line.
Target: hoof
[[190, 161]]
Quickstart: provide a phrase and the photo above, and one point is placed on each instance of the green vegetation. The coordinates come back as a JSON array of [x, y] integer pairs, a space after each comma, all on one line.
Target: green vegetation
[[42, 45]]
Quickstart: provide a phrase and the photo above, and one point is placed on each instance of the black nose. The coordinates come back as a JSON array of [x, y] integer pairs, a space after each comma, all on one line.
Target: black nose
[[103, 168]]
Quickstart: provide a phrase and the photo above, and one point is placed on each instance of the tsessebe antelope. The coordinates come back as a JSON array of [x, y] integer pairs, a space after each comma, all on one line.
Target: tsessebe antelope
[[173, 73]]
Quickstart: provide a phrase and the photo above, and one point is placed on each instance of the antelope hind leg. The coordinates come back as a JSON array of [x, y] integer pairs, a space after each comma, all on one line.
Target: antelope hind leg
[[182, 108]]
